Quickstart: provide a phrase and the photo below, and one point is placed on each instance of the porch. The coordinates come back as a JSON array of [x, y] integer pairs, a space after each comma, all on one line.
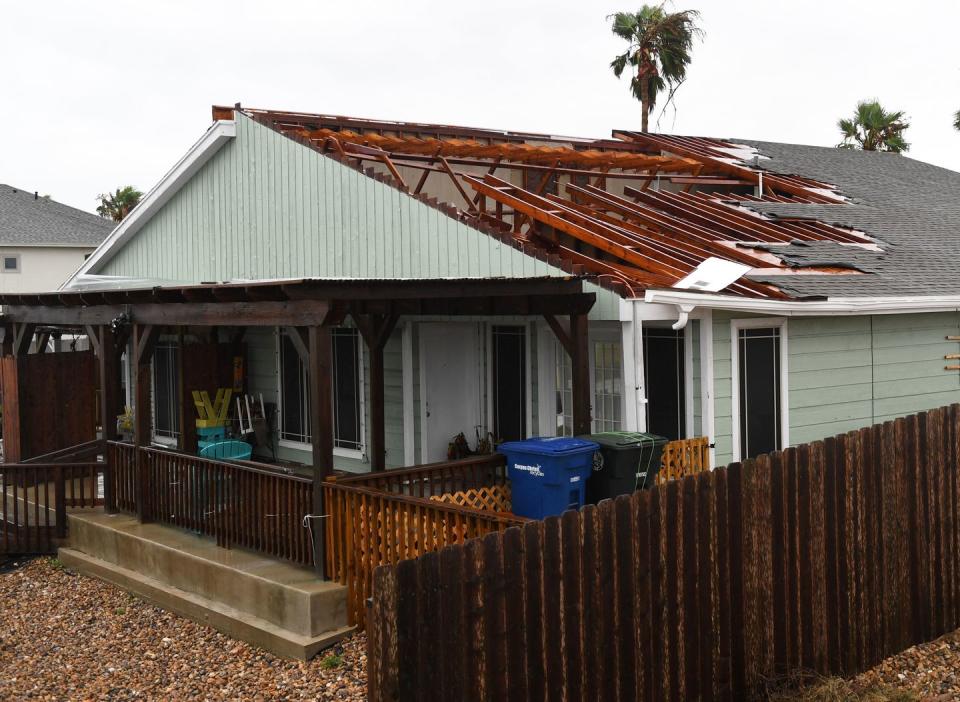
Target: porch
[[339, 526]]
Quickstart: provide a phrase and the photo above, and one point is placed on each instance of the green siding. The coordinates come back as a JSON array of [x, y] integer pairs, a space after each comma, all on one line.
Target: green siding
[[266, 207], [850, 372]]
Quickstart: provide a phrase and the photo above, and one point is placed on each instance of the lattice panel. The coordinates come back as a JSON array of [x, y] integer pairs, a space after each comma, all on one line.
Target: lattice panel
[[495, 498]]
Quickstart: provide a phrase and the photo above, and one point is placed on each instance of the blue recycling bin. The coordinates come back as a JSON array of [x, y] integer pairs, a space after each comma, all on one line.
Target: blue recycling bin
[[548, 474]]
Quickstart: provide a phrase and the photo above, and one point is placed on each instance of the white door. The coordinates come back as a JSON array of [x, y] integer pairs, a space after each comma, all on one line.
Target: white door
[[449, 386]]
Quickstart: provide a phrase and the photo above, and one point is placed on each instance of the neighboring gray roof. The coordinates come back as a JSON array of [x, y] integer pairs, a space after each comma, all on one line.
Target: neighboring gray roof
[[911, 208], [26, 221]]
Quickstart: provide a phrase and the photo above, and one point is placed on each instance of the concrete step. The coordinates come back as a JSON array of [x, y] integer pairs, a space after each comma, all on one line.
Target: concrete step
[[260, 589], [232, 622]]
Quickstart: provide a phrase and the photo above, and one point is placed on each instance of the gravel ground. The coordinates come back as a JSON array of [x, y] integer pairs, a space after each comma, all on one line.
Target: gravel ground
[[68, 637]]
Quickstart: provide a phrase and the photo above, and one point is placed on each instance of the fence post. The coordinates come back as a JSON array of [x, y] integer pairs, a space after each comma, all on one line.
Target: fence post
[[60, 502]]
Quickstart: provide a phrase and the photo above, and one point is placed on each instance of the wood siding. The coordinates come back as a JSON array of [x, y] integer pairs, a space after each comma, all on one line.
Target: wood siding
[[850, 372]]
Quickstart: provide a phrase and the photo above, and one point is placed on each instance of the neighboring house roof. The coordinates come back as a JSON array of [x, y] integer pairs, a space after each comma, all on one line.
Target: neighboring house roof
[[648, 212], [29, 220]]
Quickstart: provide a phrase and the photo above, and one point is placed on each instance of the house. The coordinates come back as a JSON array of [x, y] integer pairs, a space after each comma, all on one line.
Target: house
[[831, 312], [386, 287], [43, 242]]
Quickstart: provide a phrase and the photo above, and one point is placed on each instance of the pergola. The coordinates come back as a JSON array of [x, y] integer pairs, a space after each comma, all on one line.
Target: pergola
[[308, 309]]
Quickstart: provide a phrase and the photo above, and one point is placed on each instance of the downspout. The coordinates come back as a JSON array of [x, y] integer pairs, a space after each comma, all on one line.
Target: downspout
[[640, 390], [683, 316]]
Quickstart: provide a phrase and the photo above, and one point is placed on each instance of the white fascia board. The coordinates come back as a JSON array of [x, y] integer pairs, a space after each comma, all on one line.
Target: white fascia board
[[219, 133], [809, 308]]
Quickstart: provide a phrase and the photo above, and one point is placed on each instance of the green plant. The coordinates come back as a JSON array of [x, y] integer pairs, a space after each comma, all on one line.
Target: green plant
[[118, 205], [56, 563], [658, 51], [873, 128], [331, 661]]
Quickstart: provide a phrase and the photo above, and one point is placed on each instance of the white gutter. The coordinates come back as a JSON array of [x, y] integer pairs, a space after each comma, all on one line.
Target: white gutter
[[685, 302], [202, 151]]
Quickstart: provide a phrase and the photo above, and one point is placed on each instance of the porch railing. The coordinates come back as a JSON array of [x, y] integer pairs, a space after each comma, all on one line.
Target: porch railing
[[238, 504], [684, 457], [369, 528], [436, 478], [34, 498]]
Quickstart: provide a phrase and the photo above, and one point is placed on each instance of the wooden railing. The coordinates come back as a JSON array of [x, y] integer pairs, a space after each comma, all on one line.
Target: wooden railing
[[34, 498], [242, 504], [122, 458], [435, 478], [684, 457], [368, 528]]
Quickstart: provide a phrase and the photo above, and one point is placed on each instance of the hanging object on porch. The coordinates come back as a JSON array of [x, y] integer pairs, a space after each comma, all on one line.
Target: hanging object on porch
[[248, 417]]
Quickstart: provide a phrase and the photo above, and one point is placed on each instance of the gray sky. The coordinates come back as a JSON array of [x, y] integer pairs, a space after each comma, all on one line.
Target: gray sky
[[101, 94]]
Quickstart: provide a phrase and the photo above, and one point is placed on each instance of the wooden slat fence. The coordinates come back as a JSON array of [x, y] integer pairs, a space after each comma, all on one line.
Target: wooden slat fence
[[826, 557], [368, 528], [122, 458], [34, 498]]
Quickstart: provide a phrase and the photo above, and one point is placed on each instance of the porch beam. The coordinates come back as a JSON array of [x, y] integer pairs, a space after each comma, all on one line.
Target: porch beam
[[319, 374], [22, 336], [299, 339], [580, 367], [376, 330], [43, 338], [562, 336]]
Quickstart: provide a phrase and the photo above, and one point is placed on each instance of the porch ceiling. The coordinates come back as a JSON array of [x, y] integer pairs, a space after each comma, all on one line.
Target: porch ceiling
[[300, 302]]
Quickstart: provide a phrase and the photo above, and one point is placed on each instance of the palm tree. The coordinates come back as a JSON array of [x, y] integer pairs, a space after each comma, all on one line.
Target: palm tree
[[659, 51], [956, 120], [872, 128], [117, 205]]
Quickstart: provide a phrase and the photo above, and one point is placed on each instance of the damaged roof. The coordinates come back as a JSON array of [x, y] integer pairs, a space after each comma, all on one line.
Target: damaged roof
[[644, 211]]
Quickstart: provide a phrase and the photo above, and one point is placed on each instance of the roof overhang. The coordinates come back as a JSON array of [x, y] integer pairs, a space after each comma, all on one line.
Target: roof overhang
[[219, 133], [829, 306]]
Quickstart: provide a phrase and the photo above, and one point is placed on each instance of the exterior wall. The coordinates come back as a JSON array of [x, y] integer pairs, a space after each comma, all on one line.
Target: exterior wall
[[267, 207], [849, 372], [42, 268]]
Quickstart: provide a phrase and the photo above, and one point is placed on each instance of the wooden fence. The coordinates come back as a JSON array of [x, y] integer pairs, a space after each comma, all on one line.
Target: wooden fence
[[34, 498], [369, 528], [826, 557], [436, 478], [684, 457]]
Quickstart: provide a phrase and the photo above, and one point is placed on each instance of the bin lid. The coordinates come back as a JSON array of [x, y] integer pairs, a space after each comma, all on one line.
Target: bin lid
[[550, 445], [625, 439]]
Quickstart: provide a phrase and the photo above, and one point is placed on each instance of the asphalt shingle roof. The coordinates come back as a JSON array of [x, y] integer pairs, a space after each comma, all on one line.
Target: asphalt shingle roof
[[26, 221], [911, 208]]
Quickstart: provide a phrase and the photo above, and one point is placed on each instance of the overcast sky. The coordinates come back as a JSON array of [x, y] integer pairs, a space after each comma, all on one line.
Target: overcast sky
[[96, 95]]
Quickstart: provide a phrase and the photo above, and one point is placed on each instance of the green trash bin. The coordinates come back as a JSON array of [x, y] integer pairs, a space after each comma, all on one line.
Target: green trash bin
[[626, 461]]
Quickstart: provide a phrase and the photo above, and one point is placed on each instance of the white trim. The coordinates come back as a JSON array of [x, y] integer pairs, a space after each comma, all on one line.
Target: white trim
[[688, 428], [818, 308], [202, 151], [302, 446], [546, 380], [528, 360], [409, 435], [758, 323], [707, 410]]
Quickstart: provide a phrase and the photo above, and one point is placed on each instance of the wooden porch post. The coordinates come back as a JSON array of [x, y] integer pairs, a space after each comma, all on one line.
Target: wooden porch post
[[319, 375], [580, 367], [576, 343], [144, 341], [375, 330], [110, 402]]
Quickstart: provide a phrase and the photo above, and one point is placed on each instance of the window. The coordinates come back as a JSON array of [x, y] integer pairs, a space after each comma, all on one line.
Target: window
[[11, 263], [509, 383], [166, 391], [607, 386], [347, 392], [759, 353], [663, 371]]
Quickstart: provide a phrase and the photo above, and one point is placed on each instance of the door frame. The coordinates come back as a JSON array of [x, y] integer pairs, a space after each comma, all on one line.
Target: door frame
[[758, 323], [528, 370], [480, 342]]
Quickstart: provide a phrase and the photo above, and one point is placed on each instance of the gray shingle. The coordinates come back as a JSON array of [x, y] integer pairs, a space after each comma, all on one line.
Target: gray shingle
[[911, 208], [25, 221]]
